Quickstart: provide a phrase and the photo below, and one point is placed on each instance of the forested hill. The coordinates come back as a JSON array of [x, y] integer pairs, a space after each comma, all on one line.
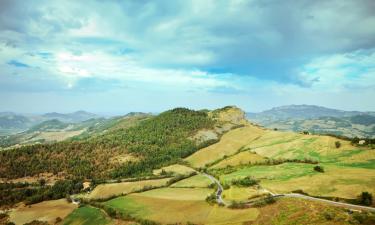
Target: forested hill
[[124, 152]]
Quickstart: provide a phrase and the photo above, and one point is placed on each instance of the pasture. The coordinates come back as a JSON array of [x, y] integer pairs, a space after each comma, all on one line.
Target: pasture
[[114, 189], [241, 194], [170, 211], [336, 181], [242, 158], [175, 169], [229, 144], [86, 215], [44, 211], [198, 181]]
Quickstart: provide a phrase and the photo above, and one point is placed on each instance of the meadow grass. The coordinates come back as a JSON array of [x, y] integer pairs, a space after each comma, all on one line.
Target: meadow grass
[[241, 193], [115, 189], [199, 181], [45, 211], [245, 157], [279, 172], [169, 211], [194, 194], [229, 144], [289, 211], [87, 215], [175, 168]]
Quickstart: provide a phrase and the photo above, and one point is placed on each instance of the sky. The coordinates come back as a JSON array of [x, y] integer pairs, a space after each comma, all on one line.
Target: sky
[[120, 56]]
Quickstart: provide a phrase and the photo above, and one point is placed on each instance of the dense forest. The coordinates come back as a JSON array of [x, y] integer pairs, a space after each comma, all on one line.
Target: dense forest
[[30, 193], [155, 142]]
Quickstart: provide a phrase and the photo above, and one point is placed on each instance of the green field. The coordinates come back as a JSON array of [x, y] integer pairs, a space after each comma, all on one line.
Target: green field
[[86, 215], [280, 172], [170, 211], [242, 194], [199, 181], [116, 189]]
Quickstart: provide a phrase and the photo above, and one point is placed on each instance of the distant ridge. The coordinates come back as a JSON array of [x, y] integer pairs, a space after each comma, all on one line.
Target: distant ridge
[[11, 123], [77, 116], [317, 119], [304, 112]]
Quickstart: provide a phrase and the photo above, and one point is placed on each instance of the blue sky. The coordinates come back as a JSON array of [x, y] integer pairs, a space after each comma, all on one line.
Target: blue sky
[[120, 56]]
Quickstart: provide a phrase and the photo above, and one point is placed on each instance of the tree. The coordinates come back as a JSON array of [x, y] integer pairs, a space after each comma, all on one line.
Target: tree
[[42, 182], [338, 144], [58, 220], [365, 198], [245, 182], [319, 169]]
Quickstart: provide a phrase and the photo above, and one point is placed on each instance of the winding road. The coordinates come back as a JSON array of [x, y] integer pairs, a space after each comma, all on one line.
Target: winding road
[[219, 191], [340, 204], [294, 195]]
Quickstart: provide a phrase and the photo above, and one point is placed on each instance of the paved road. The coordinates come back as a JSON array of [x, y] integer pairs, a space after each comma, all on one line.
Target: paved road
[[219, 191], [341, 204], [294, 195]]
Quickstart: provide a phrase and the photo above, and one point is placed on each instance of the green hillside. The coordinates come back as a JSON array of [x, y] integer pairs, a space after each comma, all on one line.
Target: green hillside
[[155, 142]]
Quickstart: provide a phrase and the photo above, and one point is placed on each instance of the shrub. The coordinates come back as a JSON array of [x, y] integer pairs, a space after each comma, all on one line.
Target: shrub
[[211, 199], [300, 191], [365, 198], [246, 182], [58, 220], [213, 186], [42, 182], [226, 186], [237, 205], [338, 144], [328, 215], [265, 201], [363, 218], [36, 222], [319, 169]]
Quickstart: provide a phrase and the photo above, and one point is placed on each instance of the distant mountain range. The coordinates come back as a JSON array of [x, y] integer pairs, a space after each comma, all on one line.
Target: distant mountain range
[[54, 130], [317, 119], [11, 123], [75, 117]]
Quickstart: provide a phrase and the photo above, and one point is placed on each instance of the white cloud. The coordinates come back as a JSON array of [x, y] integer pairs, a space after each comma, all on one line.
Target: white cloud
[[337, 72]]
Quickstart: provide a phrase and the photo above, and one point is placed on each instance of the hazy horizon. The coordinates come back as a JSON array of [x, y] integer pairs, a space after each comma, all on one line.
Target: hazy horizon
[[120, 113]]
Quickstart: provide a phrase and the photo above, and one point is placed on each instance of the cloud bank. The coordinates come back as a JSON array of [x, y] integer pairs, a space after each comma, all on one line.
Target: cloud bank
[[256, 54]]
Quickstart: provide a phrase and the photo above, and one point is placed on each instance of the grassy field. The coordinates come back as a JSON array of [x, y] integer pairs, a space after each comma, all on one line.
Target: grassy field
[[241, 193], [114, 189], [297, 211], [175, 168], [170, 211], [86, 216], [245, 157], [45, 211], [229, 144], [194, 194], [298, 146], [199, 181], [338, 181], [349, 170]]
